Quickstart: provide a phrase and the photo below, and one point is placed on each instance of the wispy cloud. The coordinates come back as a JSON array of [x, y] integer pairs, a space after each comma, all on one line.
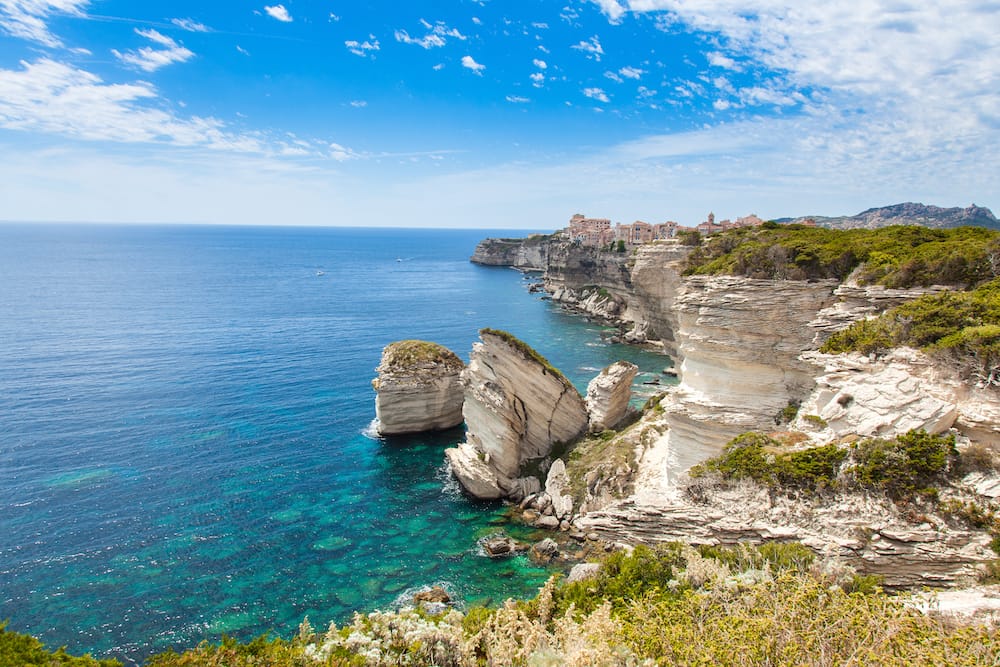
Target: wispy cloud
[[596, 94], [363, 49], [359, 104], [517, 99], [150, 59], [437, 35], [470, 63], [278, 12], [592, 47], [612, 10], [27, 19], [631, 72], [190, 25]]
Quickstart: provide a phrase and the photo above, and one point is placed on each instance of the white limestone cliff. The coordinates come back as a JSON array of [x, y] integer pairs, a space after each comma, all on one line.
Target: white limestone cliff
[[418, 388], [516, 407], [608, 395]]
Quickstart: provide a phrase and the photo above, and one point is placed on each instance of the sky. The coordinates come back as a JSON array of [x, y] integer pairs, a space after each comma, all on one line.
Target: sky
[[493, 113]]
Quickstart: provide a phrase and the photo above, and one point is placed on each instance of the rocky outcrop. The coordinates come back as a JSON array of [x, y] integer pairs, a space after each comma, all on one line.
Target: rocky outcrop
[[608, 395], [418, 388], [868, 534], [516, 407], [740, 341], [906, 389], [529, 253]]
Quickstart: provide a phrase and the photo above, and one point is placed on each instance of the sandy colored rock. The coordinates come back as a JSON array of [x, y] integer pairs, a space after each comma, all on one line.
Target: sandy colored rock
[[516, 408], [608, 395], [418, 388]]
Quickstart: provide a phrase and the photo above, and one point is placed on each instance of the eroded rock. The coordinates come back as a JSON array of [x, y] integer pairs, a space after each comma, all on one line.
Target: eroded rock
[[517, 406], [608, 395], [418, 388]]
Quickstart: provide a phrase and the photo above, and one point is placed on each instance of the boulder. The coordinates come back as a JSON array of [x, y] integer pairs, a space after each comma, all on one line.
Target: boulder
[[547, 522], [557, 487], [418, 388], [435, 594], [477, 478], [608, 395], [517, 406], [544, 551], [500, 546]]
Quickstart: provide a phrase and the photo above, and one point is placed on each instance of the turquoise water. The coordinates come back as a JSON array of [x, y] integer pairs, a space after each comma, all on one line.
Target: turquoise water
[[184, 448]]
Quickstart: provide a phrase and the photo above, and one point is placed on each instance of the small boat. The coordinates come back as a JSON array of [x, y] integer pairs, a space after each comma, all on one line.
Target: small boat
[[321, 273]]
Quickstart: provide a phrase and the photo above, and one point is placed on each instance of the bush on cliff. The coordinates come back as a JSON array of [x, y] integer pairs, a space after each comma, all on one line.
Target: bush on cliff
[[910, 465], [759, 457], [961, 327], [898, 256], [18, 650]]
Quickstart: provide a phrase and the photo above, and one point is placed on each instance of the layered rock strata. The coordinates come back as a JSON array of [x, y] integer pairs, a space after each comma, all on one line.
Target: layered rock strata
[[418, 388], [530, 253], [608, 395], [516, 407]]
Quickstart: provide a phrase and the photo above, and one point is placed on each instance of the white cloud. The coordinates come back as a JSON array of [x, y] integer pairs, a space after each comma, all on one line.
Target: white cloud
[[363, 49], [592, 47], [911, 83], [278, 12], [26, 19], [716, 59], [359, 104], [438, 67], [55, 98], [540, 64], [438, 35], [613, 76], [477, 20], [517, 99], [334, 18], [470, 63], [150, 59], [537, 79], [631, 72], [242, 50], [190, 25], [596, 94], [612, 10], [540, 26]]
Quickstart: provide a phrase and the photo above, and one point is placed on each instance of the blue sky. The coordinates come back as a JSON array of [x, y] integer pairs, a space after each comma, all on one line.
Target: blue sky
[[493, 113]]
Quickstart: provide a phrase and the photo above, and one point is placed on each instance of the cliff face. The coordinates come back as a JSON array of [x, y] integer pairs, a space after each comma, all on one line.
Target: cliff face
[[739, 340], [516, 408], [529, 254], [418, 388]]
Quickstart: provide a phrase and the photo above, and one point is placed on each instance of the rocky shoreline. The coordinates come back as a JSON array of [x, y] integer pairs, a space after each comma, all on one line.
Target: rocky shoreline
[[746, 351]]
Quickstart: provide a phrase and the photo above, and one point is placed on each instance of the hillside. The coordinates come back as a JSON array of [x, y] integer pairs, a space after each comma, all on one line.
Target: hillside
[[907, 213]]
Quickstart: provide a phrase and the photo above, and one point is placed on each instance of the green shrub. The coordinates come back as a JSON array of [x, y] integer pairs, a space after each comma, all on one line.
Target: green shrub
[[787, 413], [910, 465], [897, 256], [624, 577], [18, 650], [753, 456]]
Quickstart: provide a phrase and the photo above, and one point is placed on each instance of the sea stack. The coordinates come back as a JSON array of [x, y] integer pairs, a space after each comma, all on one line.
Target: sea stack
[[517, 406], [418, 388], [608, 395]]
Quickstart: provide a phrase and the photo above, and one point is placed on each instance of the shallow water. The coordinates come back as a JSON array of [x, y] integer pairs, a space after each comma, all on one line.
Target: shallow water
[[185, 447]]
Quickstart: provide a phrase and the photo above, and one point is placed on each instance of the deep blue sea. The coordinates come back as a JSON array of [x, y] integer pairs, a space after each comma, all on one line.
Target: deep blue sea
[[184, 428]]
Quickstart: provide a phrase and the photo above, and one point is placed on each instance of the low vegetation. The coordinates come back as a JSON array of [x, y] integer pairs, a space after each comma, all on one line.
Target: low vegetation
[[20, 650], [527, 351], [407, 354], [960, 327], [898, 256], [910, 465], [667, 605]]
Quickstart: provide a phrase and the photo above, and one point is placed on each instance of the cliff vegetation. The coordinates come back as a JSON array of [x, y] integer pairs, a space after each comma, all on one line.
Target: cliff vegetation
[[407, 354], [898, 257], [962, 327]]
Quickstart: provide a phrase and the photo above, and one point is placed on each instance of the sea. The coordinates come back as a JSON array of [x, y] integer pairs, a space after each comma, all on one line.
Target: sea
[[186, 441]]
